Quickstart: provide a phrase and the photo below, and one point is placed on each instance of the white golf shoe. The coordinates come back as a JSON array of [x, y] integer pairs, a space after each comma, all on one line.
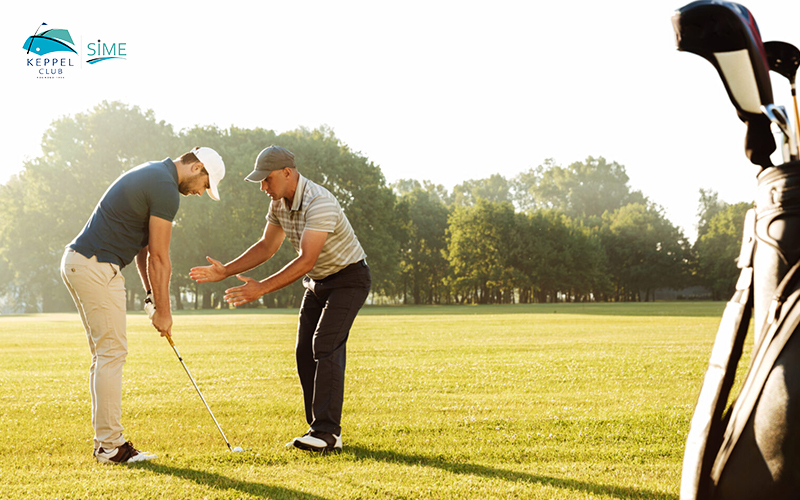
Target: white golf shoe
[[124, 454], [320, 442]]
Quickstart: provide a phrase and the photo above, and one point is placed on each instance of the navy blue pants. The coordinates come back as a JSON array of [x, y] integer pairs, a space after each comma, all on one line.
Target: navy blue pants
[[330, 306]]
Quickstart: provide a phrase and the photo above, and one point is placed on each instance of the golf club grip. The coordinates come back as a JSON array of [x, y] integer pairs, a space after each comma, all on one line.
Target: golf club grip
[[796, 115]]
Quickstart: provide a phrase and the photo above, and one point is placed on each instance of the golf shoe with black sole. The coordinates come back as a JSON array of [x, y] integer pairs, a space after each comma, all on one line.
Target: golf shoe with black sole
[[318, 442], [124, 454]]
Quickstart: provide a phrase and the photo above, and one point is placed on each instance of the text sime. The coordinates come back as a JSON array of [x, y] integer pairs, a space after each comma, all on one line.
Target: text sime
[[103, 49]]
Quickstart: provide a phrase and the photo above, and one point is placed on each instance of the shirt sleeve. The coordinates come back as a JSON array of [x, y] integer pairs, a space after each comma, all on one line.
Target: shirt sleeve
[[322, 214], [271, 217], [164, 200]]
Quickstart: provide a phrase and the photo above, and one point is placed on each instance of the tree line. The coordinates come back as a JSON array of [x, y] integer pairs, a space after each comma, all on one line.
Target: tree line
[[551, 233]]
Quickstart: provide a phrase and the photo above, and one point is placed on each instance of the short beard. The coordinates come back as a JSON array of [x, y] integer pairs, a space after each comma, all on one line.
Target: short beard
[[183, 187]]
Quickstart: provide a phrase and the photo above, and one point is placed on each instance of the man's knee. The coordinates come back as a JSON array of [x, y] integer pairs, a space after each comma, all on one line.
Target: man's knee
[[333, 351]]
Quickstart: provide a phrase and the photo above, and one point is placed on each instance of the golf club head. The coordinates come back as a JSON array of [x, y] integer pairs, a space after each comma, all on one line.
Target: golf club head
[[778, 116], [726, 34], [783, 58]]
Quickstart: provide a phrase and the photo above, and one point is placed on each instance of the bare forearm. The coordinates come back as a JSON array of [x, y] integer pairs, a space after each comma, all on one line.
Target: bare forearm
[[159, 270], [251, 258], [141, 266], [290, 273], [310, 248]]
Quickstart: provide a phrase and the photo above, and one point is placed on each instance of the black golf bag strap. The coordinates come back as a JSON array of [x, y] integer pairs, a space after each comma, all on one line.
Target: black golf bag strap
[[782, 321], [781, 294], [707, 426]]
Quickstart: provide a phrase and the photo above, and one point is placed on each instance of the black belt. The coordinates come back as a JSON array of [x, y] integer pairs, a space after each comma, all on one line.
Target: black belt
[[355, 265]]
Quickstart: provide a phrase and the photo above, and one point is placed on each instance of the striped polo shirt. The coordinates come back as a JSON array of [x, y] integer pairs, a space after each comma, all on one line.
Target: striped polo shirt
[[315, 208]]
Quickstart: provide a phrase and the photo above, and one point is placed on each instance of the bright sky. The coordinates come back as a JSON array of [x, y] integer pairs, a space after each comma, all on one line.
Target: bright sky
[[431, 90]]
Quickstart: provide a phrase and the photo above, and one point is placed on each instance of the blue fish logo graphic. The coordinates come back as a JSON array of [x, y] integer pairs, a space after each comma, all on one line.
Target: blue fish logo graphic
[[49, 41]]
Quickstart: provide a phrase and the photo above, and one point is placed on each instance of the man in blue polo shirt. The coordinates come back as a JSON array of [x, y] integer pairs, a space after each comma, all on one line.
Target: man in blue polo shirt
[[133, 220]]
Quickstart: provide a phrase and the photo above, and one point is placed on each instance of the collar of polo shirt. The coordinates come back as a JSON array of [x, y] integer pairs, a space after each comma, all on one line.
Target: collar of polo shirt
[[297, 202]]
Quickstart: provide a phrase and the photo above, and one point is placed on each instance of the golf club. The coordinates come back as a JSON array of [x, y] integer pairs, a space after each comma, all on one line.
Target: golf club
[[726, 35], [778, 116], [150, 308], [171, 343], [784, 58]]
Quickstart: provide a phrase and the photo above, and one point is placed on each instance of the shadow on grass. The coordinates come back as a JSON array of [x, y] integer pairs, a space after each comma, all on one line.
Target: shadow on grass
[[492, 473], [224, 483]]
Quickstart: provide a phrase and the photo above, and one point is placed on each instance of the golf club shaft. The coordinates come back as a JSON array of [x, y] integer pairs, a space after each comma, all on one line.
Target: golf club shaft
[[171, 343], [796, 116]]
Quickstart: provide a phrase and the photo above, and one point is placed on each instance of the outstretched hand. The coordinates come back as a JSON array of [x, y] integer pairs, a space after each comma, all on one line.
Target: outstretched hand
[[242, 294], [208, 274]]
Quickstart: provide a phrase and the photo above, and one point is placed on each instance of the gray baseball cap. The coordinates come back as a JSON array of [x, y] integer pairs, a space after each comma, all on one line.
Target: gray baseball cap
[[269, 159]]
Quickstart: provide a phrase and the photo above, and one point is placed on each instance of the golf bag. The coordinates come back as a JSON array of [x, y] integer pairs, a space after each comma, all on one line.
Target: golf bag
[[752, 451]]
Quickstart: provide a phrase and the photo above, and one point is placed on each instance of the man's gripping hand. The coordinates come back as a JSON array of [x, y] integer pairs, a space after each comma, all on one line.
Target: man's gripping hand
[[162, 321]]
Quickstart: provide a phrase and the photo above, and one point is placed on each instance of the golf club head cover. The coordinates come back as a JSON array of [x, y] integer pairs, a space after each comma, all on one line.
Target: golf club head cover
[[149, 306], [726, 35], [759, 143]]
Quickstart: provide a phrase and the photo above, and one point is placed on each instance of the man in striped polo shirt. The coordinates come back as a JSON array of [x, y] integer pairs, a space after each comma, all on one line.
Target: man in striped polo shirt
[[335, 275]]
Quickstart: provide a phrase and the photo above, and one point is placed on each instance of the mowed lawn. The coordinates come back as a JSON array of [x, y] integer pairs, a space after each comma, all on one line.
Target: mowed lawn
[[543, 401]]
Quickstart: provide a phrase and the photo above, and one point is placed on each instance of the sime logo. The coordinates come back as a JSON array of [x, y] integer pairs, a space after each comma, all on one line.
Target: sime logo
[[39, 48], [104, 51]]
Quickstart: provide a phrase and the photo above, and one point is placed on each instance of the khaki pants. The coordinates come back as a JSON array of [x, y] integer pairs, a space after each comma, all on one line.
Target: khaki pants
[[98, 290]]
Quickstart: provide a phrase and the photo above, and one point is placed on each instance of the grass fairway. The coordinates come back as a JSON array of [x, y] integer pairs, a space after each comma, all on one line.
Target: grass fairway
[[545, 401]]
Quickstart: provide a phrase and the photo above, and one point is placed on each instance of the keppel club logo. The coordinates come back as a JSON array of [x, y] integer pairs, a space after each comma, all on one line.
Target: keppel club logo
[[46, 43], [49, 41], [42, 52]]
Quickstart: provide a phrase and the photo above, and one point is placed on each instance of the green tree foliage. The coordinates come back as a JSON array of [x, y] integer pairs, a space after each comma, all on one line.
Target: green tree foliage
[[239, 218], [48, 203], [51, 199], [498, 256], [224, 229], [23, 250], [708, 206], [480, 252], [423, 261], [571, 234], [557, 259], [644, 250], [405, 186], [582, 190], [495, 189], [718, 248]]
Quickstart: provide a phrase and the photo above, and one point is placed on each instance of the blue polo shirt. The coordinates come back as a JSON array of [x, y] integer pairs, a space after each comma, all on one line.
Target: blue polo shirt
[[119, 226]]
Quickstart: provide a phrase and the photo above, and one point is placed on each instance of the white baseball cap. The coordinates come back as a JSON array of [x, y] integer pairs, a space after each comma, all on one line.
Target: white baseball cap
[[215, 167]]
